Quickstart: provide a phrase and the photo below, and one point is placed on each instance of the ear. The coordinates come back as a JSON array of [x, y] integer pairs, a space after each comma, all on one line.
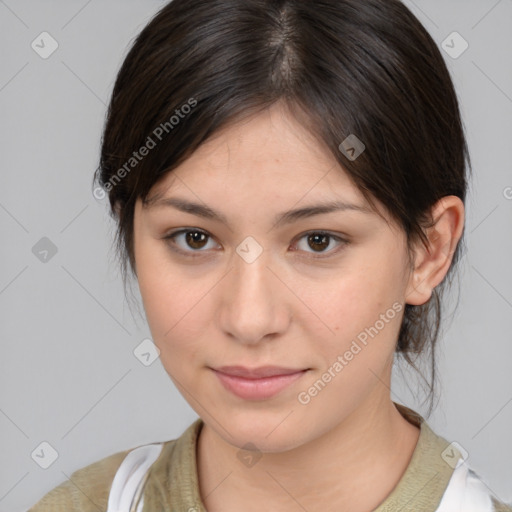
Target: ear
[[430, 266]]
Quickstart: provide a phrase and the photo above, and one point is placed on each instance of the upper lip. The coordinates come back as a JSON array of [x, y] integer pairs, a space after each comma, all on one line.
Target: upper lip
[[257, 373]]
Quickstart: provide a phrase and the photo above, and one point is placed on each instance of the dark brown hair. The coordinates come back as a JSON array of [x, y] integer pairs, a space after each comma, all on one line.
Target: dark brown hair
[[363, 67]]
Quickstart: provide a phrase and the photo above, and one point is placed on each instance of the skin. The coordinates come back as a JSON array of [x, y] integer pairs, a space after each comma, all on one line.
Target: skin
[[349, 445]]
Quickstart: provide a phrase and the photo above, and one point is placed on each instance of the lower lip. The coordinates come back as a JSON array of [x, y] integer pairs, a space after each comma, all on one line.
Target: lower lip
[[257, 389]]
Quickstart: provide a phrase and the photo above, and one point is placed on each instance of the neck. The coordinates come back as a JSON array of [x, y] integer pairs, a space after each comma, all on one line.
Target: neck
[[353, 466]]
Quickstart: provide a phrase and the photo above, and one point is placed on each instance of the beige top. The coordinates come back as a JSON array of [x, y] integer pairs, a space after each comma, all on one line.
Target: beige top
[[172, 483]]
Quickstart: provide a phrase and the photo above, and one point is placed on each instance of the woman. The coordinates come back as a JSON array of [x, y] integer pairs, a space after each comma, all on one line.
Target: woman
[[288, 179]]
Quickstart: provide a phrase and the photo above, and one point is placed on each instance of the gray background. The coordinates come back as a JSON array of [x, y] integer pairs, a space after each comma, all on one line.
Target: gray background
[[68, 373]]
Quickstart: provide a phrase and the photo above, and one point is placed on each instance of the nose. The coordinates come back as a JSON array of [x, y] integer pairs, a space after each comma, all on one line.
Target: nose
[[255, 303]]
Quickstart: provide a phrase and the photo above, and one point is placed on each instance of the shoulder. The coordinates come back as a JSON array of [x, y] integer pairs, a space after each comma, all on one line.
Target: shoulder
[[468, 491], [499, 506], [478, 490], [88, 488], [438, 474]]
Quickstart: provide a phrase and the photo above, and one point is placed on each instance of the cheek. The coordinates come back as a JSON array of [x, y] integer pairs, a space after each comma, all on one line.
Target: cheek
[[172, 302], [362, 310], [354, 355]]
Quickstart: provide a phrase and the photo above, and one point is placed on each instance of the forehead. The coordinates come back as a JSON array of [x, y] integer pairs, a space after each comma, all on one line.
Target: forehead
[[269, 153]]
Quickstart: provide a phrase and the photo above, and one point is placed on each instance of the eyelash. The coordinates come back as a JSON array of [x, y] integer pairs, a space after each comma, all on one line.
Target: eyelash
[[197, 253]]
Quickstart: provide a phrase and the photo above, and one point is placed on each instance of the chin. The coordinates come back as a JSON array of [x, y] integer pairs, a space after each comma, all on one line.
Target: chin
[[267, 432]]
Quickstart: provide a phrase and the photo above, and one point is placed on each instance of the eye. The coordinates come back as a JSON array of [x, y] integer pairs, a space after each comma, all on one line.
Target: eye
[[320, 240], [190, 241], [194, 239]]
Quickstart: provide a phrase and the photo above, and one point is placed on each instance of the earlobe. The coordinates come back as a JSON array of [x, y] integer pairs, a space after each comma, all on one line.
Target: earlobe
[[432, 264]]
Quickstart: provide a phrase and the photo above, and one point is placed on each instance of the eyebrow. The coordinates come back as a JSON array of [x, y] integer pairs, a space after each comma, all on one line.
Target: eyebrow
[[286, 217]]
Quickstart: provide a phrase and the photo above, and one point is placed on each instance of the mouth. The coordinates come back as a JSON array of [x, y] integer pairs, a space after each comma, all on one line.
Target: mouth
[[259, 383], [259, 372]]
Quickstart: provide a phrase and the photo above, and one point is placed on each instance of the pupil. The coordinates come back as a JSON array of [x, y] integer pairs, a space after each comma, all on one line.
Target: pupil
[[194, 237], [319, 239]]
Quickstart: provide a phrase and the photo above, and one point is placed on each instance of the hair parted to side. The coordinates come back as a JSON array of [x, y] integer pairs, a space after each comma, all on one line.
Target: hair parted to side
[[363, 67]]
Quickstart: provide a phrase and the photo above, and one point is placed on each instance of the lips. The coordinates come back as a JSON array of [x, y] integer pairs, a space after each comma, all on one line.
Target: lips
[[258, 383], [257, 373]]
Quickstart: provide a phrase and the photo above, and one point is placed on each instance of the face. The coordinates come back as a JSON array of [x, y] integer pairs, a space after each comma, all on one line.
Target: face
[[323, 293]]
